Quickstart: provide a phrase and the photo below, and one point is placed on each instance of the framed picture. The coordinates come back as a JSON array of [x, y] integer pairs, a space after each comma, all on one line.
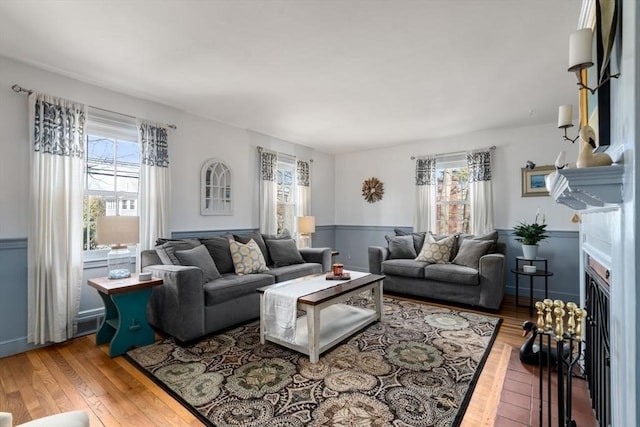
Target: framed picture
[[533, 183]]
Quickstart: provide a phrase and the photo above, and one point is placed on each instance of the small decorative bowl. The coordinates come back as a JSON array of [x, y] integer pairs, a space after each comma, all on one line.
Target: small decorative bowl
[[529, 268]]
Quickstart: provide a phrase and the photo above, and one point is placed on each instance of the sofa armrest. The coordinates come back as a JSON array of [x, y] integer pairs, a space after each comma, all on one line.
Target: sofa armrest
[[377, 254], [491, 280], [318, 255], [177, 307]]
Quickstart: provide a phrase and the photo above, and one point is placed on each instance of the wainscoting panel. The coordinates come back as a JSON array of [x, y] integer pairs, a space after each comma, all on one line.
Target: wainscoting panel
[[13, 295]]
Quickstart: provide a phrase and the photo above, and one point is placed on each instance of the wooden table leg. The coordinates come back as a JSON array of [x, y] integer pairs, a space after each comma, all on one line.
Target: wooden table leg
[[132, 328], [313, 333], [377, 298], [262, 321]]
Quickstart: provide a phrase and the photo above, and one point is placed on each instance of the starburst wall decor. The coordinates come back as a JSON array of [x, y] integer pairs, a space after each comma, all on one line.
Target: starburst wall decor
[[372, 190]]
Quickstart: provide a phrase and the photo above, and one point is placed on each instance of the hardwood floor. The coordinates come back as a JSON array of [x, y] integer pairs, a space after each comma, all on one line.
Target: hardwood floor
[[80, 375]]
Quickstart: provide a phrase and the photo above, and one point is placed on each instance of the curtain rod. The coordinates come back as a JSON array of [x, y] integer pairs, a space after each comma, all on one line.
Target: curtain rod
[[20, 89], [261, 148], [454, 153]]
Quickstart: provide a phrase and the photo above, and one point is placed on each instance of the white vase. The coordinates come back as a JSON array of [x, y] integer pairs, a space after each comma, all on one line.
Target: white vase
[[530, 251]]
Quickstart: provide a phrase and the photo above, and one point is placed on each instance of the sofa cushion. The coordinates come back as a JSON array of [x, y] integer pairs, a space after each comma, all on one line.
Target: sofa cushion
[[401, 247], [283, 252], [247, 258], [199, 257], [294, 271], [232, 286], [218, 248], [418, 238], [452, 273], [404, 267], [492, 236], [256, 237], [166, 249], [470, 252], [436, 251]]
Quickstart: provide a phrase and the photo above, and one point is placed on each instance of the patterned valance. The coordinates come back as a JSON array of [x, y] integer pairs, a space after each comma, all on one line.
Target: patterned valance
[[59, 126], [426, 171], [154, 146], [268, 165], [302, 173], [479, 164]]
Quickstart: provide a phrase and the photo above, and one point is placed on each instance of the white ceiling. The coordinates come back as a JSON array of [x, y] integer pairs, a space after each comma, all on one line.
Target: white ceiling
[[336, 75]]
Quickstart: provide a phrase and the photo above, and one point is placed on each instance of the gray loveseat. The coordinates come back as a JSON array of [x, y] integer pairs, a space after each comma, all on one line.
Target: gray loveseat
[[472, 273], [197, 299]]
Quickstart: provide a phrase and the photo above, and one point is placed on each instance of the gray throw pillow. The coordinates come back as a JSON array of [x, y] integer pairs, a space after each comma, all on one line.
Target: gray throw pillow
[[166, 250], [199, 257], [284, 252], [492, 236], [218, 248], [401, 247], [418, 237], [471, 251], [284, 235]]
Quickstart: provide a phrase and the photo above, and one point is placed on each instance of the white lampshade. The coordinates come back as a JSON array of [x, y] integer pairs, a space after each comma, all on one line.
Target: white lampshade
[[580, 49], [117, 230], [565, 116], [306, 224]]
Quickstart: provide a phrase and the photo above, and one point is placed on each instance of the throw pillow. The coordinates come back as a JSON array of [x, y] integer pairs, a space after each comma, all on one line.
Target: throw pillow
[[492, 236], [166, 250], [247, 258], [284, 252], [471, 251], [199, 257], [436, 252], [401, 247], [218, 248], [418, 238], [266, 237], [257, 238]]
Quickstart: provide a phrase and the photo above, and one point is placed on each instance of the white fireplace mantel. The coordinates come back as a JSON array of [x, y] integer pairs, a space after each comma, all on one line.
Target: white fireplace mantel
[[586, 187]]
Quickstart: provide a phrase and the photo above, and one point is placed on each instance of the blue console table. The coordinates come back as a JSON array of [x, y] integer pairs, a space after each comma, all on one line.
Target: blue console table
[[125, 323]]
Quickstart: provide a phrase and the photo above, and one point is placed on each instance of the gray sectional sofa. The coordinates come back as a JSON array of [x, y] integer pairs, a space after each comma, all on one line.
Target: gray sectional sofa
[[197, 299], [471, 274]]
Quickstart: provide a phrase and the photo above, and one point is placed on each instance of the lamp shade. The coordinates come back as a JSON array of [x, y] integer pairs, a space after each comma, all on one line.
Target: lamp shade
[[117, 230], [580, 49], [306, 224], [565, 116]]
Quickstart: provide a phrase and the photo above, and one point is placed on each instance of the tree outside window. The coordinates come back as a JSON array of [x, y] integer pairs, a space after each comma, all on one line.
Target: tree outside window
[[452, 199]]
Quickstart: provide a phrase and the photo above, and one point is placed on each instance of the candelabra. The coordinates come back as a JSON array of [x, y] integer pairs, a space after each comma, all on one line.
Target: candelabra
[[551, 325]]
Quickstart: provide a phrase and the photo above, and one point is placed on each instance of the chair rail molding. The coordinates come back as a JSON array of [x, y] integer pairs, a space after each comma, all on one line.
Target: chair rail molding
[[583, 188]]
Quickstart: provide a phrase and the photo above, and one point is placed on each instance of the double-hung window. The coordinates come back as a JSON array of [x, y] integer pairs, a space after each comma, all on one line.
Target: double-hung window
[[453, 210], [113, 171], [286, 194]]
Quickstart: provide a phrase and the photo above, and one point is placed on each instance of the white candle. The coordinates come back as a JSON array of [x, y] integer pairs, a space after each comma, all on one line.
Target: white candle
[[580, 49], [565, 116]]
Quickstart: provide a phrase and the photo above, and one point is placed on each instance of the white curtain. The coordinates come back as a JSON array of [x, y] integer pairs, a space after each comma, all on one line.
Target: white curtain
[[268, 191], [57, 139], [425, 209], [303, 183], [480, 191], [155, 189]]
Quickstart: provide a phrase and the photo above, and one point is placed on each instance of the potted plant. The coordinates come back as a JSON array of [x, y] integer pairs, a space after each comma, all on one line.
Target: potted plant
[[530, 235]]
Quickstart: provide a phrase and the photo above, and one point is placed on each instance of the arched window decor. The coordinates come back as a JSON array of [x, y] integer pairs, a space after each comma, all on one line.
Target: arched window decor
[[216, 191]]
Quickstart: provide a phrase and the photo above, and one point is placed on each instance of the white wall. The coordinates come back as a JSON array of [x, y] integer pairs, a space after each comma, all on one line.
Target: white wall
[[195, 140], [394, 167]]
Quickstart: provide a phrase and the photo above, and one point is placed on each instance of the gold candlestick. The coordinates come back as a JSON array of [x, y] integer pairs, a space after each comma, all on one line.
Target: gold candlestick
[[548, 322], [540, 308], [571, 323], [559, 323]]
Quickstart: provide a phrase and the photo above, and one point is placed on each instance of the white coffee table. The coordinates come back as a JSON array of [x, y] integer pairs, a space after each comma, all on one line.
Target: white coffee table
[[328, 322]]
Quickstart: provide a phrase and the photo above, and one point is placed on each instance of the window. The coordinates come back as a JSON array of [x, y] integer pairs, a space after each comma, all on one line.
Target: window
[[286, 203], [113, 172], [452, 196], [215, 189]]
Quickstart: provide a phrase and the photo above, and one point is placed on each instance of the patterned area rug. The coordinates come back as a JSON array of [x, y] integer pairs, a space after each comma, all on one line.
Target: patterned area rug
[[417, 367]]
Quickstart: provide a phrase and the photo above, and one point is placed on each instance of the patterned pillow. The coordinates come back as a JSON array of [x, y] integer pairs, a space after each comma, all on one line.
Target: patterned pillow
[[247, 257], [436, 252]]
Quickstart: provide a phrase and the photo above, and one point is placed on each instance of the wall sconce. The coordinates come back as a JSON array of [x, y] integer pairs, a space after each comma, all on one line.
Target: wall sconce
[[580, 57], [565, 120], [117, 231], [306, 225]]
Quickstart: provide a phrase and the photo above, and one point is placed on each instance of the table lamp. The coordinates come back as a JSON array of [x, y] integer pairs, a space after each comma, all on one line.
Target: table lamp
[[305, 226], [117, 231]]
